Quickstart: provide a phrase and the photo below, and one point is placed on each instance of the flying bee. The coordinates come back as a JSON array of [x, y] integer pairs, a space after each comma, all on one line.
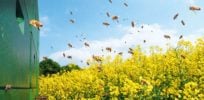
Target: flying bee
[[133, 24], [167, 37], [87, 63], [70, 45], [106, 23], [194, 8], [183, 23], [97, 58], [72, 21], [69, 57], [63, 54], [130, 52], [81, 61], [175, 16], [144, 41], [126, 5], [110, 1], [107, 13], [86, 44], [120, 53], [109, 49], [181, 36], [71, 13], [130, 49], [36, 23], [115, 18]]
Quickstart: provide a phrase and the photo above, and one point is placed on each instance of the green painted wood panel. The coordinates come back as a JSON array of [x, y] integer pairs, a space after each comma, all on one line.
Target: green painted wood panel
[[19, 49], [18, 94]]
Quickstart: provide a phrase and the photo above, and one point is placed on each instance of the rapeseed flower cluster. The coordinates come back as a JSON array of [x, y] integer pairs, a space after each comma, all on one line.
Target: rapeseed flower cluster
[[176, 73]]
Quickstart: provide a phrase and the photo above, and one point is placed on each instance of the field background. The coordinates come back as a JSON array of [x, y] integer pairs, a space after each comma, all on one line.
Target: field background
[[175, 73]]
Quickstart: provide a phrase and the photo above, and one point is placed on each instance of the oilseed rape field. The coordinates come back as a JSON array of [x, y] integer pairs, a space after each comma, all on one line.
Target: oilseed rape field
[[174, 73]]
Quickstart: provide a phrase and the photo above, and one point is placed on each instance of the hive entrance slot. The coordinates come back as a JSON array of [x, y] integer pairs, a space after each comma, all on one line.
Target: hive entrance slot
[[20, 17]]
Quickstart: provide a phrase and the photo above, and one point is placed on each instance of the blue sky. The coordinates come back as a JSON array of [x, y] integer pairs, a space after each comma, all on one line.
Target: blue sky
[[90, 14]]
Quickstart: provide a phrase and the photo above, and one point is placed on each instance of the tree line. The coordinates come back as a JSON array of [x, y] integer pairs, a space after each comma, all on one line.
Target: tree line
[[48, 66]]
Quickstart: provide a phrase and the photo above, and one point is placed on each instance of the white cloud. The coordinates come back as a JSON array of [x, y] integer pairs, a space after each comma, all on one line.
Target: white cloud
[[153, 34], [197, 34]]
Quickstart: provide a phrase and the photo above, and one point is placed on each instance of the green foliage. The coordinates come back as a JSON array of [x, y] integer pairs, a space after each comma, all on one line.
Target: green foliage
[[48, 66], [70, 67]]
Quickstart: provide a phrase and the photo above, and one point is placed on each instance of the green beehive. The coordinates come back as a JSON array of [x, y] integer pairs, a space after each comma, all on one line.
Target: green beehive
[[19, 43]]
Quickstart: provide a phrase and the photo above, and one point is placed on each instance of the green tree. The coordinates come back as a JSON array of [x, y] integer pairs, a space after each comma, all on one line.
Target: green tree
[[70, 67], [48, 66]]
